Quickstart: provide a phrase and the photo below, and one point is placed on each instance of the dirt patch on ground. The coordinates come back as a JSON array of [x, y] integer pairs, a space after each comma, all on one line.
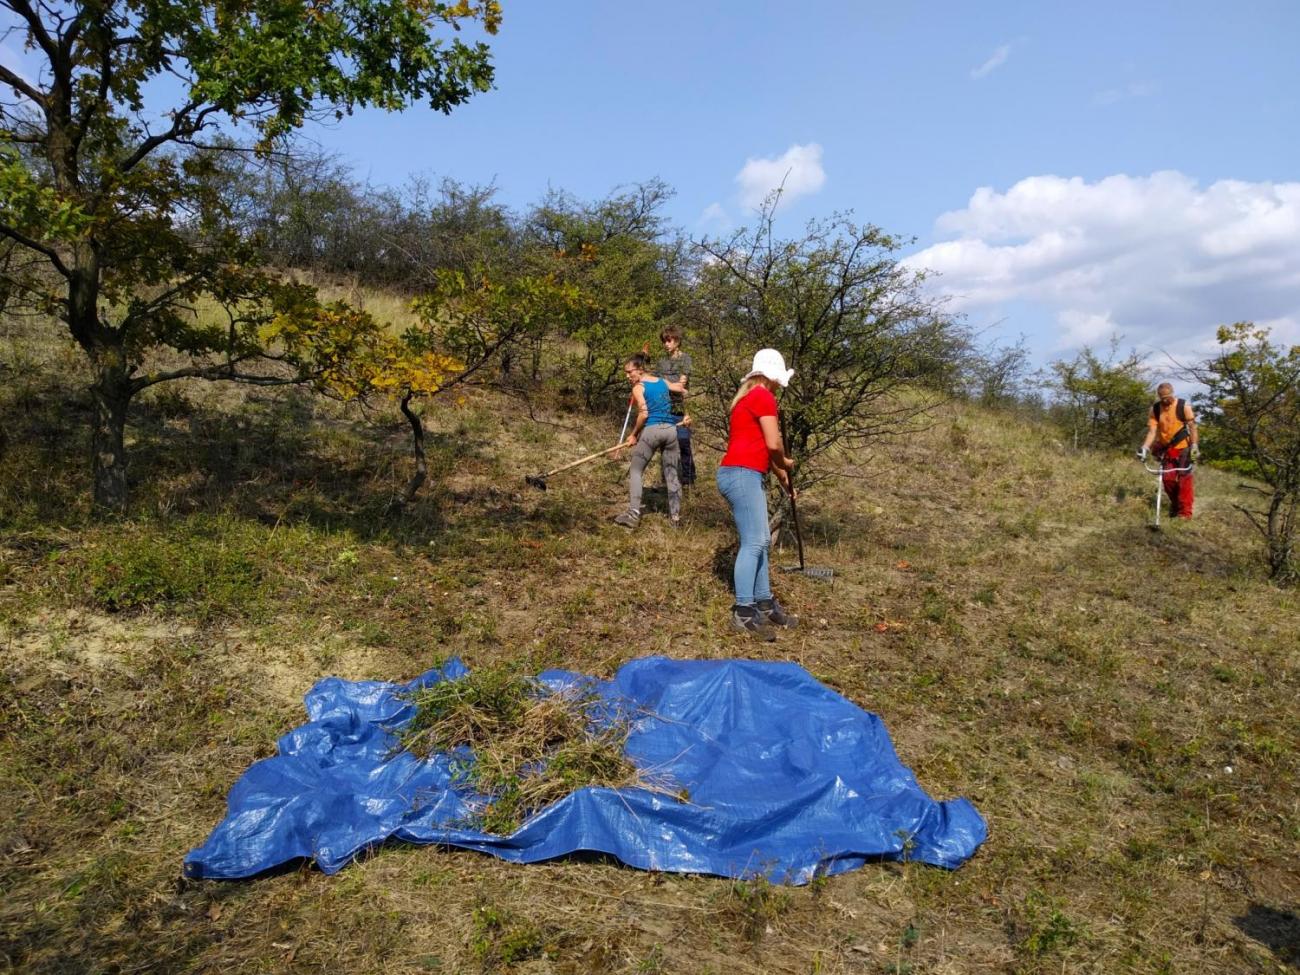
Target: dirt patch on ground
[[67, 639]]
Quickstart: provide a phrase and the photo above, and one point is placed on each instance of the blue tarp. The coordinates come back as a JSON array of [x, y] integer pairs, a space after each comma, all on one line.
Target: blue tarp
[[786, 779]]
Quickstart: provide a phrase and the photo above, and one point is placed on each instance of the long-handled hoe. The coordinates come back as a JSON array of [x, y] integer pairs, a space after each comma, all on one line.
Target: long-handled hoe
[[623, 433], [1160, 473], [539, 480]]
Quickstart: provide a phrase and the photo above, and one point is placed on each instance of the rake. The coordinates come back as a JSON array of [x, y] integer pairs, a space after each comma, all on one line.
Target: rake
[[811, 571], [539, 480]]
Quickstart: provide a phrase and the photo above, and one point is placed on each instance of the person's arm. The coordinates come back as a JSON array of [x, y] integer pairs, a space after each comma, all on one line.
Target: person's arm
[[642, 414], [680, 366], [1193, 435], [684, 371], [780, 463], [1151, 436]]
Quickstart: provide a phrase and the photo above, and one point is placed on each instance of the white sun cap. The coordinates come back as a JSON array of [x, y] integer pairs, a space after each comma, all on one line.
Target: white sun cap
[[770, 364]]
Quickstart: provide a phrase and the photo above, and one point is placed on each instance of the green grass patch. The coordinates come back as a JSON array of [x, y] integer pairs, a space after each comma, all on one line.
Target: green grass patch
[[205, 566], [756, 904], [211, 567], [501, 939], [1043, 928]]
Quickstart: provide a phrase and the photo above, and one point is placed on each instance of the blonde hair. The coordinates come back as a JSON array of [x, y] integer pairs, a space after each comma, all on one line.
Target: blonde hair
[[745, 387]]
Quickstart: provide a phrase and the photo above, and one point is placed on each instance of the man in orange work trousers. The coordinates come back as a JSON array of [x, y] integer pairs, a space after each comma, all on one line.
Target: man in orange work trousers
[[1172, 437]]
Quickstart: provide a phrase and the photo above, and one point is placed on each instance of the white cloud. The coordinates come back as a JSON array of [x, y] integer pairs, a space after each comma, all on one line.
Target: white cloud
[[714, 215], [1158, 259], [1285, 331], [1136, 89], [798, 172], [1083, 328], [995, 61]]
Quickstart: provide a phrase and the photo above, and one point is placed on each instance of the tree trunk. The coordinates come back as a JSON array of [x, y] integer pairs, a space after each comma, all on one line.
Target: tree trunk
[[417, 448], [537, 358], [112, 389], [112, 392], [1281, 538]]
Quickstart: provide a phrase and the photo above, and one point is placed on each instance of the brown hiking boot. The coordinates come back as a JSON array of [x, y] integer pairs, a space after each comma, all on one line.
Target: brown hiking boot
[[773, 614], [747, 619]]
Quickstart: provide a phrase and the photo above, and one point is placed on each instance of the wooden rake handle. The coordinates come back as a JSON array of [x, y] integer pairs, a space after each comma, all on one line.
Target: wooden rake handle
[[583, 460]]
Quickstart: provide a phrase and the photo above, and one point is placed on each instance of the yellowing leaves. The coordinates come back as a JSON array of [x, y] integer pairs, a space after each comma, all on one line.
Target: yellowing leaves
[[464, 322]]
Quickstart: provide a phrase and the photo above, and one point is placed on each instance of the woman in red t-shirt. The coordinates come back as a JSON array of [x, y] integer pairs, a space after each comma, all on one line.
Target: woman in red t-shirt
[[754, 447]]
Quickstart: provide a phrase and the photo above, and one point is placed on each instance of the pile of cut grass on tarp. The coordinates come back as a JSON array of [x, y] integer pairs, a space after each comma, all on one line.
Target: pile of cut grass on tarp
[[530, 745]]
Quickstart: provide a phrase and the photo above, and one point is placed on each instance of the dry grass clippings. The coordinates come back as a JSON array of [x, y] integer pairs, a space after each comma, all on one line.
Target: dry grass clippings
[[525, 745]]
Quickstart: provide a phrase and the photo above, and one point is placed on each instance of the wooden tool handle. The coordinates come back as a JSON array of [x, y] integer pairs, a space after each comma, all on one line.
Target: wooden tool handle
[[583, 460]]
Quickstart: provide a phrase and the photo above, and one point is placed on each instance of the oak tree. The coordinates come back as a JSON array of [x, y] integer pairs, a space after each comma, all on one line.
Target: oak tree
[[107, 196]]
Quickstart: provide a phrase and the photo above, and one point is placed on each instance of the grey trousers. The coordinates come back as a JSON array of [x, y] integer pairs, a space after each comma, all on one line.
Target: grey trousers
[[662, 437]]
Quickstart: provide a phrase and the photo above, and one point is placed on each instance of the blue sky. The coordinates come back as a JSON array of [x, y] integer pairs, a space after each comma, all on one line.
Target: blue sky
[[1140, 160], [1073, 171], [590, 95]]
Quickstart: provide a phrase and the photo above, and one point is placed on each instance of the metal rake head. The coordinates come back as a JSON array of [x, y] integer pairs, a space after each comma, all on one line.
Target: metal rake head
[[811, 571]]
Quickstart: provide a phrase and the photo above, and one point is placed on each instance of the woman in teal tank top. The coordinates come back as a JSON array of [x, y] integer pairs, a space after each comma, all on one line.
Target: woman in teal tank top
[[657, 400], [655, 429]]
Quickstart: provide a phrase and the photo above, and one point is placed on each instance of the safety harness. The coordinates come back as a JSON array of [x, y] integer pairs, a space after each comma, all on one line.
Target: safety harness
[[1182, 434]]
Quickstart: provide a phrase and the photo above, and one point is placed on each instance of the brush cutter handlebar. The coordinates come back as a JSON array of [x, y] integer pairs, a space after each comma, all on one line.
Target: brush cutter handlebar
[[1162, 470], [1160, 473]]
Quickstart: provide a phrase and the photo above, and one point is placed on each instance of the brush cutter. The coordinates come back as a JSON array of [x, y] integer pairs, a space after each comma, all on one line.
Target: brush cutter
[[1160, 473]]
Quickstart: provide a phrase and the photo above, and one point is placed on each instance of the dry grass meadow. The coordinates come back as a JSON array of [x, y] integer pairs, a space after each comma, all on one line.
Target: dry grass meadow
[[1120, 704]]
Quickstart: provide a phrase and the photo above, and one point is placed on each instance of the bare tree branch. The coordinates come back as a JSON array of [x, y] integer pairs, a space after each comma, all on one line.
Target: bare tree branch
[[37, 246], [16, 82]]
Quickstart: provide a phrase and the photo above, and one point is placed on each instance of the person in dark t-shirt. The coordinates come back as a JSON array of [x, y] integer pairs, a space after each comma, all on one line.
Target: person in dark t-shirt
[[675, 369]]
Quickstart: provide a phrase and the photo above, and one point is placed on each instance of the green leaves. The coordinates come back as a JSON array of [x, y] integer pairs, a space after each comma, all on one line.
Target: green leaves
[[275, 60], [36, 209], [1252, 413], [473, 315], [626, 267], [848, 318], [1103, 401], [104, 169]]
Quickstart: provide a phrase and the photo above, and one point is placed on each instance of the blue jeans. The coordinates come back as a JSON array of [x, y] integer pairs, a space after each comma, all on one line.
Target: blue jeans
[[743, 489], [688, 458]]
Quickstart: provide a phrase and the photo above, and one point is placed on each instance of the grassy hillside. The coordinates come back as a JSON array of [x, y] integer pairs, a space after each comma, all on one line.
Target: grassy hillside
[[1120, 704]]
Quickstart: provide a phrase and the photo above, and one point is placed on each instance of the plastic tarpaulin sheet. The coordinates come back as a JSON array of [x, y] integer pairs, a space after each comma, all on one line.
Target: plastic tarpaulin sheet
[[785, 779]]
